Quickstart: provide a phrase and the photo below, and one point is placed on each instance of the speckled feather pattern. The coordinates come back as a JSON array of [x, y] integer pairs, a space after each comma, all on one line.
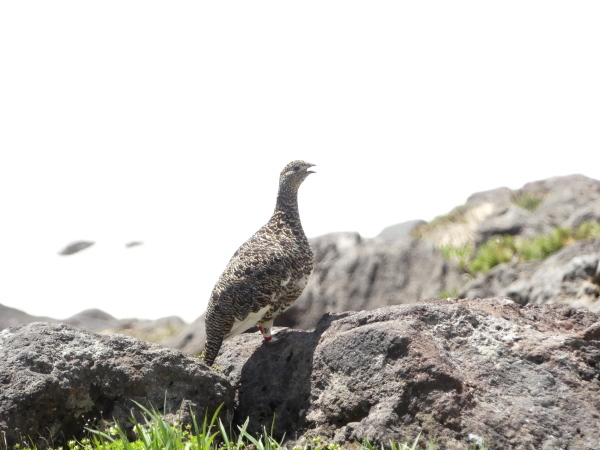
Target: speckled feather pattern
[[267, 273]]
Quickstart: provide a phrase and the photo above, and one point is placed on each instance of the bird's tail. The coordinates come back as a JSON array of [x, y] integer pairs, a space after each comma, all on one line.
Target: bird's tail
[[212, 348]]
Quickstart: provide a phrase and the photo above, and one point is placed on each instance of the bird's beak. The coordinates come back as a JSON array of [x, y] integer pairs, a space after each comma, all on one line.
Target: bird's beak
[[310, 171]]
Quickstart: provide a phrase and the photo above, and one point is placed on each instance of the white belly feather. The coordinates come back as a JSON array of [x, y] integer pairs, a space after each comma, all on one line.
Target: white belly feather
[[239, 326]]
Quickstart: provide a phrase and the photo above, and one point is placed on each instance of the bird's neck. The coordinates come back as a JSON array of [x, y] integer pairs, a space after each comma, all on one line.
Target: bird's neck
[[287, 202]]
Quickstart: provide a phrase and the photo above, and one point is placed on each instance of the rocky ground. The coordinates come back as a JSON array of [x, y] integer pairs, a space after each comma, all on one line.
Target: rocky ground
[[56, 380], [459, 371]]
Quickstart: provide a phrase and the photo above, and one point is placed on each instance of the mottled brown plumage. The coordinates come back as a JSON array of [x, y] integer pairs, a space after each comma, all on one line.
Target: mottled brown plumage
[[266, 274]]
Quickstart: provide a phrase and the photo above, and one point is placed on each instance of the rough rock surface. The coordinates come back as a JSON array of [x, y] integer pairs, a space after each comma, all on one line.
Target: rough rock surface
[[570, 276], [55, 380], [461, 371]]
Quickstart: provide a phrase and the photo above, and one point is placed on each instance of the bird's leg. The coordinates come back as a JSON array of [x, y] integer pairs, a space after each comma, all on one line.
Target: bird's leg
[[265, 329], [266, 332]]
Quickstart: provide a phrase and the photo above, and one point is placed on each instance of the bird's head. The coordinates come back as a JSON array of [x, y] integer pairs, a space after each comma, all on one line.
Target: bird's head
[[295, 172]]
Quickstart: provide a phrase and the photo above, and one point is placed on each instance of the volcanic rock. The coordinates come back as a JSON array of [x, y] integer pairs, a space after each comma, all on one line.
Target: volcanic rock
[[461, 372], [57, 380]]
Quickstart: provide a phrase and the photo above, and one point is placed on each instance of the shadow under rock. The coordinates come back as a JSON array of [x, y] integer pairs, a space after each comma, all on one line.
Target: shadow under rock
[[275, 382]]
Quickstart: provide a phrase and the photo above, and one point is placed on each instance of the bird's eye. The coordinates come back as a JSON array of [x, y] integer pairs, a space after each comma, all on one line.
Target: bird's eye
[[296, 168]]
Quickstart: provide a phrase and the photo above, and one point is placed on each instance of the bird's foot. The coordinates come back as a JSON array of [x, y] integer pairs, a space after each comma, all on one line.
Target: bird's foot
[[266, 334]]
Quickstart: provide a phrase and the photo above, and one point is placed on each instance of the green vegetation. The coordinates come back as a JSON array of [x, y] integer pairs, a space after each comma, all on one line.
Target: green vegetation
[[495, 251], [156, 434], [527, 200], [502, 249], [459, 255]]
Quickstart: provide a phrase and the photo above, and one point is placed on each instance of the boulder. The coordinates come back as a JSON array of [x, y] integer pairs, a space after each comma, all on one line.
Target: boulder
[[570, 276], [56, 380], [461, 372], [588, 213]]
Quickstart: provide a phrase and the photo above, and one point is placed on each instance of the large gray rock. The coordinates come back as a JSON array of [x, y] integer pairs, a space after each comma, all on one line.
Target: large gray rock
[[587, 213], [570, 276], [56, 380], [564, 196], [459, 371]]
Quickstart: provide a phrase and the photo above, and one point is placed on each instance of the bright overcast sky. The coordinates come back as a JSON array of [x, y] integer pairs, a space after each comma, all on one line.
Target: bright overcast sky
[[169, 122]]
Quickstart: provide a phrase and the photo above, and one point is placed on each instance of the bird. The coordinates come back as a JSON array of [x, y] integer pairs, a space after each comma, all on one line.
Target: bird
[[266, 274]]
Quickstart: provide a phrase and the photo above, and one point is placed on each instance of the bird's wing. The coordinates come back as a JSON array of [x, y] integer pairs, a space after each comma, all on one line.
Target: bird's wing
[[251, 281]]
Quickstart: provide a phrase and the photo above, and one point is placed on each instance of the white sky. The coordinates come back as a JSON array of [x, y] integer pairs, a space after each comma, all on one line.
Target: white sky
[[169, 122]]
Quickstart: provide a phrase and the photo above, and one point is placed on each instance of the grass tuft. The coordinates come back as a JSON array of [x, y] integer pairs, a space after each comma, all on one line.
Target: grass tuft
[[505, 248], [527, 200], [155, 433], [497, 250]]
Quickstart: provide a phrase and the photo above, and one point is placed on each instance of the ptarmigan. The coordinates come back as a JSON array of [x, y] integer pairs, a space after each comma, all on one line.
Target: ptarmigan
[[266, 274]]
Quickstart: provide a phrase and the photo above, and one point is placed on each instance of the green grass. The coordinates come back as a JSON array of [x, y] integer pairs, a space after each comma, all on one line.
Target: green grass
[[459, 255], [527, 200], [502, 249], [157, 434], [497, 250]]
